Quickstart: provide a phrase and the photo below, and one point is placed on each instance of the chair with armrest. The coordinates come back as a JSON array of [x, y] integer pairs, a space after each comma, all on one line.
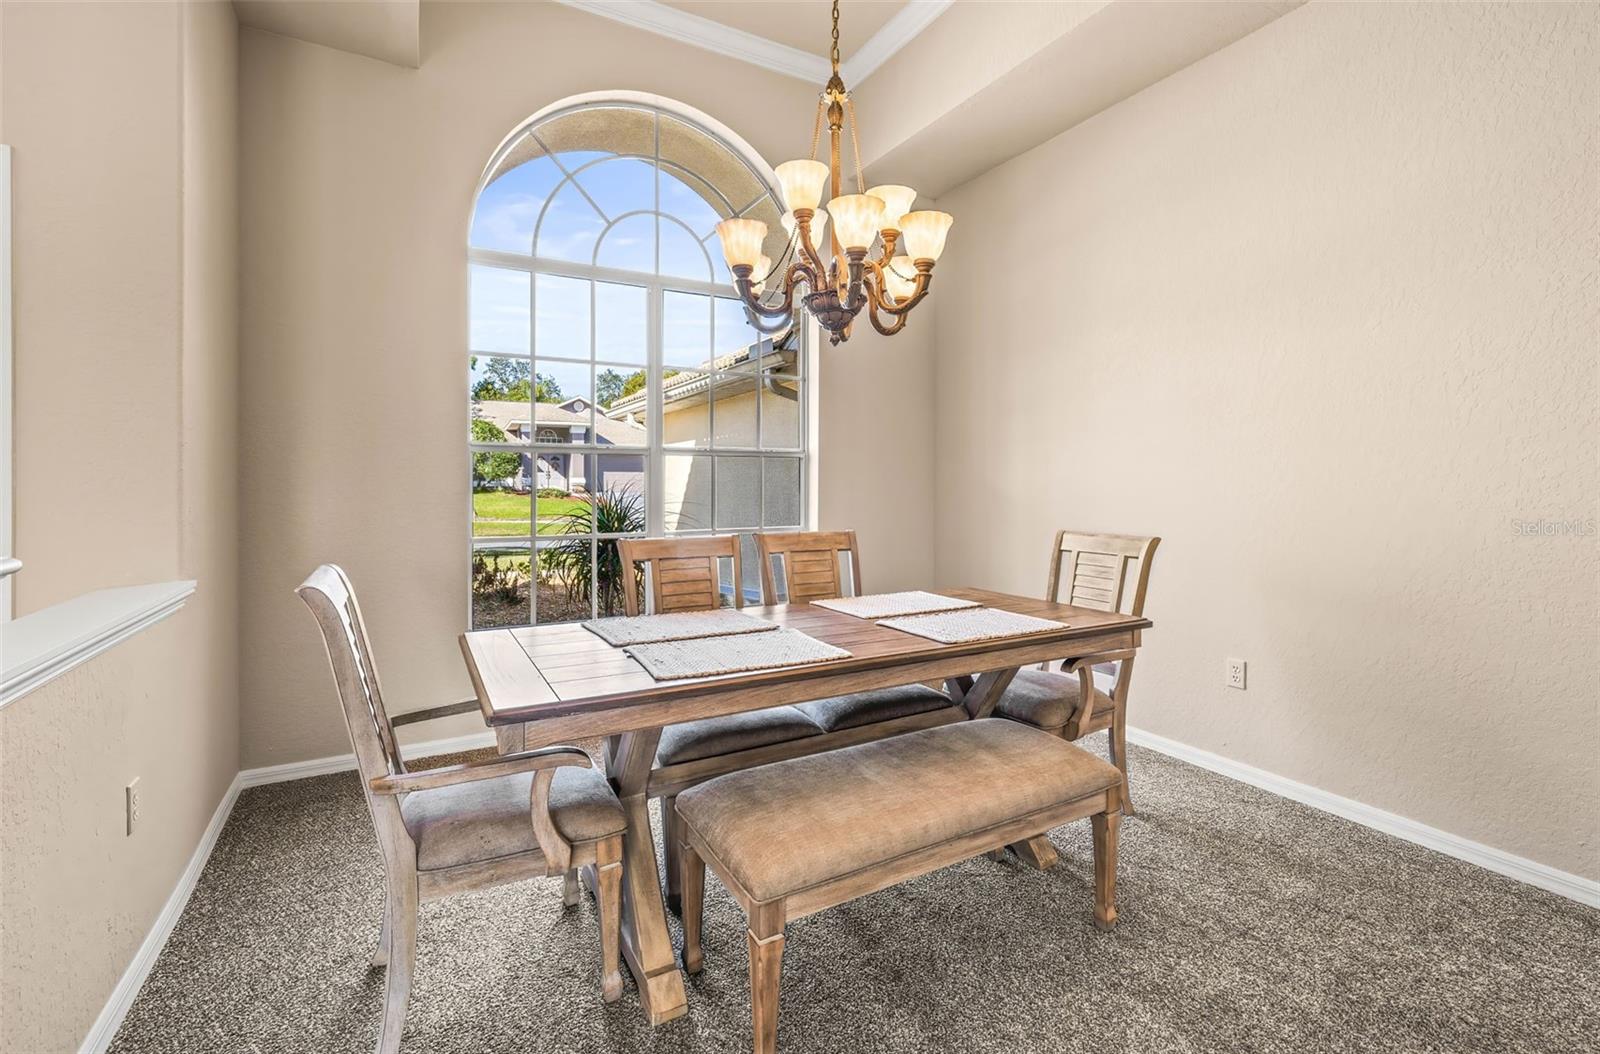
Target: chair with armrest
[[684, 576], [1107, 572], [463, 827]]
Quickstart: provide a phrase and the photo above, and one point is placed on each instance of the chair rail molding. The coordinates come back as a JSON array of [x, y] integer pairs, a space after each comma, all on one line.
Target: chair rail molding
[[37, 648]]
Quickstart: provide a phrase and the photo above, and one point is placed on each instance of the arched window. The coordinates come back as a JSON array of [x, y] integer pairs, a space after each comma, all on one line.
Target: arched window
[[615, 385]]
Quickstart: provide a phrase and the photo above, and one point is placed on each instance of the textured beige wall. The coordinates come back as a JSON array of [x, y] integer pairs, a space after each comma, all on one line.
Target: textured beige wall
[[126, 393], [1321, 311], [357, 187]]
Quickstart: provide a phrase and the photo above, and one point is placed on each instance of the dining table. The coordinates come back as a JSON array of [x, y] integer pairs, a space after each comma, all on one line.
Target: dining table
[[558, 683]]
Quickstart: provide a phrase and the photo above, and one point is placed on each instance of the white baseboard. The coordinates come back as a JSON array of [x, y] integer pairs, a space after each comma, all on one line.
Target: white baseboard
[[116, 1008], [133, 978], [1573, 887], [299, 770]]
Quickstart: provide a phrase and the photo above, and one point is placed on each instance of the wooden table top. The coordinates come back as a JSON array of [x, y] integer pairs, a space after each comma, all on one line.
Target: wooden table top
[[572, 683]]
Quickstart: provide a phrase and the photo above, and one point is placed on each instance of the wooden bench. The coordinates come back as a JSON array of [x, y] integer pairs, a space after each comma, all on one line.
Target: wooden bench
[[795, 837]]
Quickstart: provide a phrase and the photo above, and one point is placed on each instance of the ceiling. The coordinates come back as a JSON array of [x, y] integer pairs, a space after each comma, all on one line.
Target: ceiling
[[800, 24]]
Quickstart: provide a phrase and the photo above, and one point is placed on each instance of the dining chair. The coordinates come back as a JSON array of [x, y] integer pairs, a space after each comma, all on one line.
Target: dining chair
[[684, 576], [1107, 572], [810, 562], [448, 830]]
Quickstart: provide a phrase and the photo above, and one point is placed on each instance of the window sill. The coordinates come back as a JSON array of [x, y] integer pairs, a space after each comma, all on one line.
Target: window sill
[[36, 649]]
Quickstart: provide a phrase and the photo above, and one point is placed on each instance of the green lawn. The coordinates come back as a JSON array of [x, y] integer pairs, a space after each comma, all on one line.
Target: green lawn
[[501, 514]]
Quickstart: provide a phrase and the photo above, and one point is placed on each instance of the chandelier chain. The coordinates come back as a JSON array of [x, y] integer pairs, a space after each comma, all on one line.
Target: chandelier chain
[[834, 55], [855, 144], [816, 129]]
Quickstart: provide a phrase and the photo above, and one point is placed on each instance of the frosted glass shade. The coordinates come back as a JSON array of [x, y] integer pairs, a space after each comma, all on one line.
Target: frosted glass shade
[[900, 278], [802, 183], [763, 268], [856, 219], [741, 241], [924, 233], [819, 225], [897, 201]]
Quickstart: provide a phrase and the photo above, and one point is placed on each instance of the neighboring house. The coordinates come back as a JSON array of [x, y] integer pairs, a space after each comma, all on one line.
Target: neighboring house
[[720, 402], [566, 422]]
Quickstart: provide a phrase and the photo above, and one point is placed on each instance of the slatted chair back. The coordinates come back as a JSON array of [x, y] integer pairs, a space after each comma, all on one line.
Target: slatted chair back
[[1107, 572], [332, 600], [683, 574], [810, 565]]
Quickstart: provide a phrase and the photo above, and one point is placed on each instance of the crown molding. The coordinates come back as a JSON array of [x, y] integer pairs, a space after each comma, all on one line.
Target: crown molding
[[896, 33], [696, 31], [686, 28]]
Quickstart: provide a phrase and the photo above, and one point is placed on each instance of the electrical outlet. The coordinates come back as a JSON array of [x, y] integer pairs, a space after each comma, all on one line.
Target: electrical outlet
[[131, 801], [1235, 676]]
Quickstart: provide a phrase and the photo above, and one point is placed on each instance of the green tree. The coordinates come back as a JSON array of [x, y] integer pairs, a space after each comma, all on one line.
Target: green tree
[[545, 389], [491, 466], [608, 385]]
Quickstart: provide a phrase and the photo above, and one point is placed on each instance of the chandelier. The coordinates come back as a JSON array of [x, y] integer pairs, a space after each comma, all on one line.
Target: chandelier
[[836, 289]]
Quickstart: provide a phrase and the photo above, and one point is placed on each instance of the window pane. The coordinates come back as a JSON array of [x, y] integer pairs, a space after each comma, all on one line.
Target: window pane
[[685, 409], [734, 410], [687, 492], [566, 581], [500, 390], [619, 483], [780, 501], [682, 255], [621, 186], [738, 492], [685, 329], [623, 414], [499, 510], [621, 322], [562, 329], [690, 200], [564, 402], [509, 207], [780, 413], [630, 245], [570, 227], [498, 310], [563, 506], [733, 330], [500, 586]]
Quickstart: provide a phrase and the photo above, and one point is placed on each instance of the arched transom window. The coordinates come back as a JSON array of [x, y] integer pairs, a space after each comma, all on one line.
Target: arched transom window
[[615, 387]]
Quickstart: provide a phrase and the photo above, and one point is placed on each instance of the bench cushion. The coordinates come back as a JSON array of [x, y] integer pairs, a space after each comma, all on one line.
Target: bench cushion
[[782, 828], [485, 819], [1046, 700], [716, 736], [869, 708]]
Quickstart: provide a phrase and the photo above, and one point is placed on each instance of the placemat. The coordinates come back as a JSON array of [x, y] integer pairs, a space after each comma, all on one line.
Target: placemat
[[886, 605], [708, 656], [959, 627], [678, 625]]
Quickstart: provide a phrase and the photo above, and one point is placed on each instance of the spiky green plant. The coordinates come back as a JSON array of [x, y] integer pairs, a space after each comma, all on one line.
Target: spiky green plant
[[616, 511]]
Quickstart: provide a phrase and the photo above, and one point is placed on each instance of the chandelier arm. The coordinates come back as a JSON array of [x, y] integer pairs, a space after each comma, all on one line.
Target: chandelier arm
[[877, 323], [813, 258], [924, 279]]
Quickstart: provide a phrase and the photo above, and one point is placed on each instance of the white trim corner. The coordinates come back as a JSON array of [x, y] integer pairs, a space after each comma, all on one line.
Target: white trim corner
[[1564, 883]]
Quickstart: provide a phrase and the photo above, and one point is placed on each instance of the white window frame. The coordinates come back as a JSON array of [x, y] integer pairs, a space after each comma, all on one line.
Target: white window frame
[[655, 452]]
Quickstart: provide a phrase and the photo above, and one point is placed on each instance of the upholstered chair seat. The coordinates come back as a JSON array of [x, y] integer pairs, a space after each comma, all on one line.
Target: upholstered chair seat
[[467, 822], [716, 736], [870, 708], [1048, 700]]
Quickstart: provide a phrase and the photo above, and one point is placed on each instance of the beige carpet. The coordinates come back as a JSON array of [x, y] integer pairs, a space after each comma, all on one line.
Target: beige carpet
[[1249, 923]]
